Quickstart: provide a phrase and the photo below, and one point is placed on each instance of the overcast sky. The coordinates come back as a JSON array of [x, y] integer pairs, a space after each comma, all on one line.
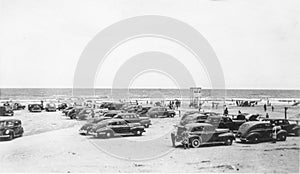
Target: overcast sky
[[256, 41]]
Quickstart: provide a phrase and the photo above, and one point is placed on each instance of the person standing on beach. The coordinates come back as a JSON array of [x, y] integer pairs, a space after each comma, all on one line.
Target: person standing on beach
[[225, 111], [272, 108], [265, 107]]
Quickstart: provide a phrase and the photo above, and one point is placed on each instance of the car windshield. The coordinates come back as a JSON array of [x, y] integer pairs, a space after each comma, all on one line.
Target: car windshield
[[2, 124]]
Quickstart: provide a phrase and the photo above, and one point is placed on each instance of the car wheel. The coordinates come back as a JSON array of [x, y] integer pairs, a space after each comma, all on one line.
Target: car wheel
[[109, 134], [11, 136], [196, 142], [138, 133], [155, 116], [254, 139], [228, 141], [282, 137]]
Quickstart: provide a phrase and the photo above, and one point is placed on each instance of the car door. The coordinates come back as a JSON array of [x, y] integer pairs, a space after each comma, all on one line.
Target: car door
[[209, 134], [115, 127], [124, 127]]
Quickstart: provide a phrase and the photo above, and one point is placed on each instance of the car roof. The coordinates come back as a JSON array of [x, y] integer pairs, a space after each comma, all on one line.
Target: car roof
[[191, 125], [10, 119]]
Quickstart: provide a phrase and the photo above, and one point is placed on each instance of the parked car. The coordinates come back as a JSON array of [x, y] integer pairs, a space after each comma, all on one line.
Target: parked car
[[62, 106], [111, 106], [50, 107], [142, 111], [225, 122], [116, 127], [201, 133], [35, 107], [112, 113], [85, 129], [18, 106], [156, 112], [258, 131], [134, 118], [85, 114], [74, 112], [6, 111], [65, 111], [11, 128], [193, 118], [285, 125]]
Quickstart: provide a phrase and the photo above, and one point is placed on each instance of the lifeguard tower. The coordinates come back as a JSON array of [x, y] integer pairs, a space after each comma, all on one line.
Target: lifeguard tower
[[195, 96]]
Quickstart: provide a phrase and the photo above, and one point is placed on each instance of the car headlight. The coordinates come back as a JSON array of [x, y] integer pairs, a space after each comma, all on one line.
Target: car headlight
[[7, 132]]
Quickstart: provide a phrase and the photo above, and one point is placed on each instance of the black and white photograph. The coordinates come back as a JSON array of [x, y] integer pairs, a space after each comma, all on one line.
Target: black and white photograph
[[149, 86]]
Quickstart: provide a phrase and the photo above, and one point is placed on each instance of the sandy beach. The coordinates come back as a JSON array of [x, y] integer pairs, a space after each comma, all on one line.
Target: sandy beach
[[51, 143]]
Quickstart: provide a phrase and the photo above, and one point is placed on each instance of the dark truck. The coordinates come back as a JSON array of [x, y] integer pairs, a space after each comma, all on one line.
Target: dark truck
[[201, 133], [285, 125], [156, 112]]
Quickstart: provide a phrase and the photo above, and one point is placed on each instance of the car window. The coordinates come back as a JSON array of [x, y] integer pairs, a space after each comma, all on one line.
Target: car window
[[9, 123], [209, 128], [197, 129]]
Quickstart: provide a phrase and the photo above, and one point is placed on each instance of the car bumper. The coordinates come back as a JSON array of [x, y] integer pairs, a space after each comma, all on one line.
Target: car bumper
[[4, 136]]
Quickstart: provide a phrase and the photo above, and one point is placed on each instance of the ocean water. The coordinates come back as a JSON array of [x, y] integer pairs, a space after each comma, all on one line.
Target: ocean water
[[40, 93]]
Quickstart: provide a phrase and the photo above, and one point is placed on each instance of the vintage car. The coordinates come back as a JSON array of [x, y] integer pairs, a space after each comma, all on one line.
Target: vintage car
[[50, 107], [85, 114], [72, 113], [225, 122], [285, 125], [85, 129], [112, 113], [198, 134], [134, 118], [193, 118], [116, 127], [10, 129], [35, 107], [111, 105], [65, 111], [6, 111], [258, 131], [156, 112], [62, 106], [142, 111], [18, 106]]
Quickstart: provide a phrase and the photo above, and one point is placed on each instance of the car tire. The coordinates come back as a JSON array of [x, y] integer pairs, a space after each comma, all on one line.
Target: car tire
[[138, 133], [254, 139], [155, 116], [281, 137], [196, 142], [228, 141], [109, 134], [11, 136]]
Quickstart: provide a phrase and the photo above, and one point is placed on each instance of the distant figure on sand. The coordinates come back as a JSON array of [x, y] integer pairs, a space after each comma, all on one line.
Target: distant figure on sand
[[267, 115], [226, 111], [265, 107], [272, 108]]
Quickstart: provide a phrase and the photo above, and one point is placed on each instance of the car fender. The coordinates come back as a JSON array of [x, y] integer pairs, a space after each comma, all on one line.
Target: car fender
[[282, 132], [252, 134]]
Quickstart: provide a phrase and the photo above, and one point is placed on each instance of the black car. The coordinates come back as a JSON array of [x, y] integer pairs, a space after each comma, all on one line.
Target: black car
[[258, 131], [226, 122], [6, 111], [11, 128], [285, 125], [18, 106], [156, 112], [62, 106], [50, 107], [116, 127], [66, 110], [134, 118], [198, 134], [35, 107], [74, 112], [85, 129]]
